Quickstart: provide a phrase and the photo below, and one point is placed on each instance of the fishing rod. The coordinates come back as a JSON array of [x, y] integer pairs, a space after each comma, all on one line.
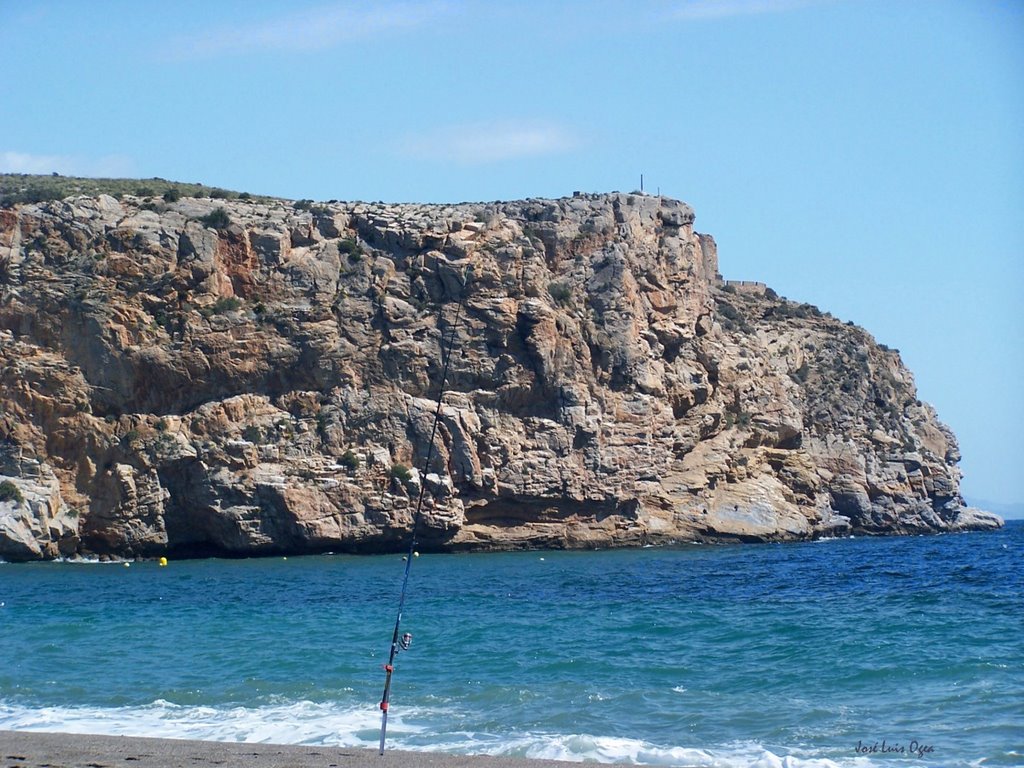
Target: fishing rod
[[402, 643]]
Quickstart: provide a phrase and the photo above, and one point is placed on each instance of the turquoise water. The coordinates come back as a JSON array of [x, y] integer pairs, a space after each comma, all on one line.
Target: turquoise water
[[763, 655]]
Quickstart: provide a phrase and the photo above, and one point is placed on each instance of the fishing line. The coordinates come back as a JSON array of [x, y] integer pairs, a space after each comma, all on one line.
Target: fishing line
[[402, 643]]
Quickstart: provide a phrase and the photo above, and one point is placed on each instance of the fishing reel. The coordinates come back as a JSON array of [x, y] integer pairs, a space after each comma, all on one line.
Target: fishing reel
[[405, 641]]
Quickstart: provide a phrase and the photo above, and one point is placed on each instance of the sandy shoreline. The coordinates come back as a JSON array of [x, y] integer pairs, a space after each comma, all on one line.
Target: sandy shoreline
[[23, 749]]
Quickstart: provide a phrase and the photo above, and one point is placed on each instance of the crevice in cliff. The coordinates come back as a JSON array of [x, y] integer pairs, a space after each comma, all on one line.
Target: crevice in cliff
[[510, 513]]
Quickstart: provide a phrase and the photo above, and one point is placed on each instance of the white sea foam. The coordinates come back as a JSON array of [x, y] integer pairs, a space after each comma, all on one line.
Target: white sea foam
[[607, 749], [301, 722], [333, 724]]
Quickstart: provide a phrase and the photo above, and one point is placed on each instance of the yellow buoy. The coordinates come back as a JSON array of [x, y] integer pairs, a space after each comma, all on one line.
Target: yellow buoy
[[163, 561]]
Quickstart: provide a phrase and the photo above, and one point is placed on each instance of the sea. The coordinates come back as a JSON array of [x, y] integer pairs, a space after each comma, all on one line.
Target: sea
[[896, 651]]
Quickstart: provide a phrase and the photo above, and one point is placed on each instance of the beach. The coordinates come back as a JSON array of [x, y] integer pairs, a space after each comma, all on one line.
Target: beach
[[22, 749]]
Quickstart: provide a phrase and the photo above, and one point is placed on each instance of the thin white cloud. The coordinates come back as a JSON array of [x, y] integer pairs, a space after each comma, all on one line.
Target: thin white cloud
[[22, 162], [66, 165], [311, 29], [490, 142], [721, 9]]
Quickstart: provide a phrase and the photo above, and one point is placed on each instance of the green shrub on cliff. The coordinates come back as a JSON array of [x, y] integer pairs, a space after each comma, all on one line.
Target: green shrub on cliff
[[218, 219], [560, 292], [226, 304], [349, 247], [401, 473], [9, 492]]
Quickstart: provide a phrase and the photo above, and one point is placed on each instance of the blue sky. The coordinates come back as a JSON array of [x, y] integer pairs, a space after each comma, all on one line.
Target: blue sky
[[867, 157]]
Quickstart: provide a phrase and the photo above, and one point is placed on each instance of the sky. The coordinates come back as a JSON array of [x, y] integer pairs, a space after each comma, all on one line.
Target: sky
[[866, 157]]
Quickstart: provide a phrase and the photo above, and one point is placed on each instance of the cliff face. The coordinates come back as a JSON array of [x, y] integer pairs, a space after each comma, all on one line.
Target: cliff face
[[177, 384]]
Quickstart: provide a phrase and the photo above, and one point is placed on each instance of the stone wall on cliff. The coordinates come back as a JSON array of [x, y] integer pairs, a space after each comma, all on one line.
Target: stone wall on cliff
[[174, 381]]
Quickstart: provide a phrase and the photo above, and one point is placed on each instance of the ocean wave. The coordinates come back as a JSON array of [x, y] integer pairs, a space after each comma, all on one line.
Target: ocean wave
[[609, 749], [302, 722], [333, 724]]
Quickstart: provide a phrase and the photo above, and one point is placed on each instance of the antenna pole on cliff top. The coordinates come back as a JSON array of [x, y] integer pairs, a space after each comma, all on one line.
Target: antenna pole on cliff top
[[402, 643]]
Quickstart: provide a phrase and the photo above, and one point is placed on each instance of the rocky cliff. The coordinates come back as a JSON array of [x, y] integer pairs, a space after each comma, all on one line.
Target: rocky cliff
[[252, 377]]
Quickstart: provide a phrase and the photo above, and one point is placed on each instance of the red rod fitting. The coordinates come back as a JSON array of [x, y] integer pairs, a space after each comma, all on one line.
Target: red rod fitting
[[384, 706], [388, 668]]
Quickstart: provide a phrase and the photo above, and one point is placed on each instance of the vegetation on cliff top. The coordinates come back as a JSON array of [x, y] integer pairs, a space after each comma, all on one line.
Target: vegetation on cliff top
[[18, 188]]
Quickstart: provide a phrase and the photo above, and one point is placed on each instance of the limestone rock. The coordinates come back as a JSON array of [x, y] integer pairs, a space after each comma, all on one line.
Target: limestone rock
[[167, 387], [35, 523]]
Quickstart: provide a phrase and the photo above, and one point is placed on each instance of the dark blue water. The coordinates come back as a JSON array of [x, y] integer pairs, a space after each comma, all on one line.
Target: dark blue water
[[796, 655]]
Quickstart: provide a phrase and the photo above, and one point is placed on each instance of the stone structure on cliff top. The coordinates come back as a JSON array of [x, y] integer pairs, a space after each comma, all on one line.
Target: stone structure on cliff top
[[177, 384]]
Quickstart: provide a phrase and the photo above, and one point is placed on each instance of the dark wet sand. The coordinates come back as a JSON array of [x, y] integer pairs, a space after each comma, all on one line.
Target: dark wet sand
[[21, 749]]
